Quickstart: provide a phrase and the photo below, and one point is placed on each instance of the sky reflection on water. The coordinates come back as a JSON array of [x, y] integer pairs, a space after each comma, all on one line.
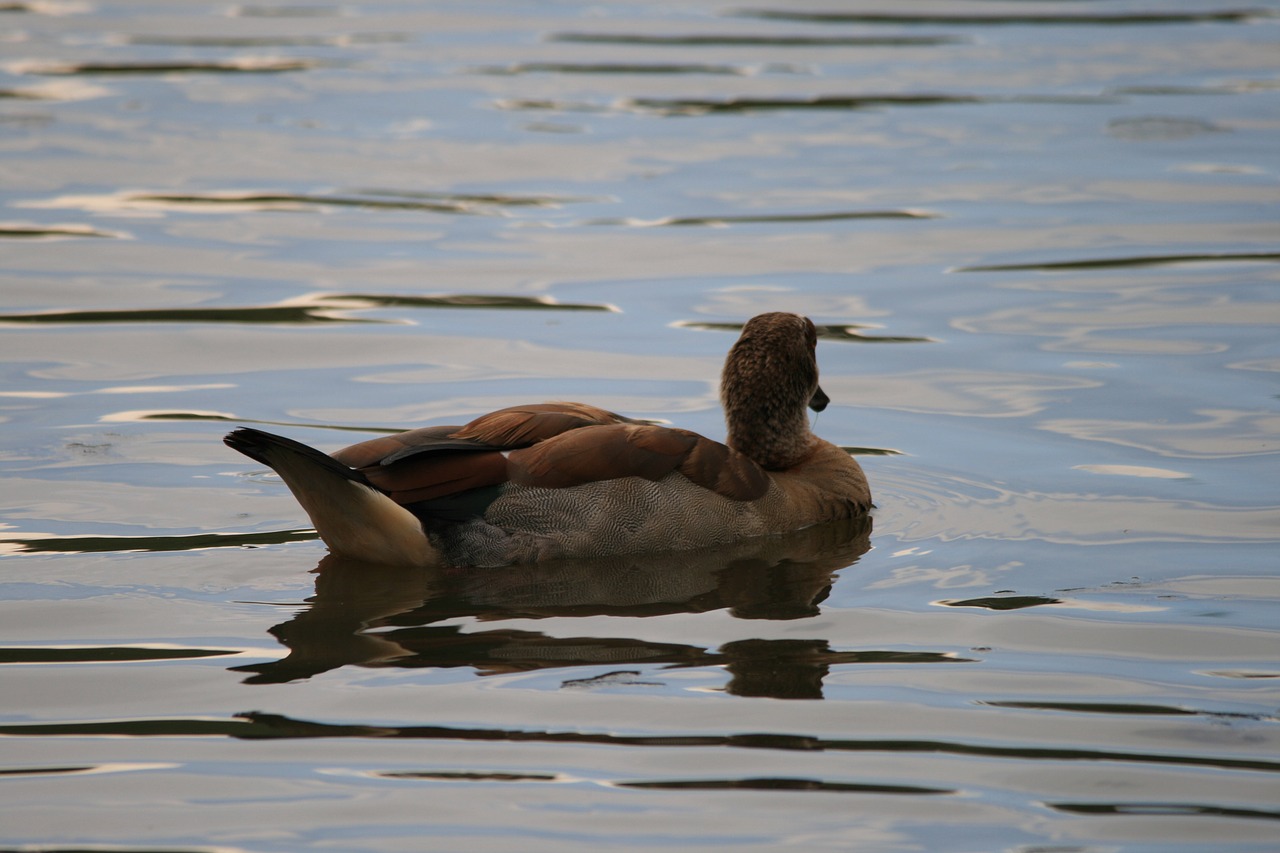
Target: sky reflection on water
[[1057, 223]]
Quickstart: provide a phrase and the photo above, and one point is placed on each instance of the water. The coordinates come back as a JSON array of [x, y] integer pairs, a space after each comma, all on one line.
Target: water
[[1058, 218]]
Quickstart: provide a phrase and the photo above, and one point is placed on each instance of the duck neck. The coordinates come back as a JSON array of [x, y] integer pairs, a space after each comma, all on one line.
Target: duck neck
[[775, 439]]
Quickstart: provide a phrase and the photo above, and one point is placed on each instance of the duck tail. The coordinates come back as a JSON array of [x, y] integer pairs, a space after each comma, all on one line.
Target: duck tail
[[352, 516]]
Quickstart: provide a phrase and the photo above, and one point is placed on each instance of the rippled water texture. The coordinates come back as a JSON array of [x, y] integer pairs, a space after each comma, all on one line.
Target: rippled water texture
[[1056, 221]]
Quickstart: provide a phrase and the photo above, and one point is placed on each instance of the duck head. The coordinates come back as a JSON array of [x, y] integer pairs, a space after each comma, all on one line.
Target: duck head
[[769, 378]]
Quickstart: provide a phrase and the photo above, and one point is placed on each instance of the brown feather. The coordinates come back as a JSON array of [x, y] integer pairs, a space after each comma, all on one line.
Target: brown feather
[[376, 451], [369, 452], [592, 454], [433, 462], [521, 426], [724, 470], [430, 476], [426, 463], [587, 455]]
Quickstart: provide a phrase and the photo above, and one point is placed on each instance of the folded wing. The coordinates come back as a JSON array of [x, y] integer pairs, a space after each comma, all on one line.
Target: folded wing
[[548, 445]]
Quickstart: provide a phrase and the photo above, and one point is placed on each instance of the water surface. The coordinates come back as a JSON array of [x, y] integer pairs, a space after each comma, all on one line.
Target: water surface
[[1058, 631]]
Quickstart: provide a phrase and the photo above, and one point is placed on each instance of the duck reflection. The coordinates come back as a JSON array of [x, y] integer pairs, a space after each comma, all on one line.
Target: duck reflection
[[375, 616]]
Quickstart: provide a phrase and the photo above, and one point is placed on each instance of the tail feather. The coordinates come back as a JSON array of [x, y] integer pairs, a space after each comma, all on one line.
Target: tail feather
[[353, 517], [261, 446]]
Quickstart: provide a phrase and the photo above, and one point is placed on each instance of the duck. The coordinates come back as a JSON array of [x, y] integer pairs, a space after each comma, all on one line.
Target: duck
[[563, 480]]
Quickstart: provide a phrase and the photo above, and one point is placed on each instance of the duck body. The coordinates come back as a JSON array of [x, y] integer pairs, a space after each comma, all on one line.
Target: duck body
[[556, 480]]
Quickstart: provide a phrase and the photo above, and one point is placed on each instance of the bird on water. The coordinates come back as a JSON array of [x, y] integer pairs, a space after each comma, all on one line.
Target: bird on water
[[562, 480]]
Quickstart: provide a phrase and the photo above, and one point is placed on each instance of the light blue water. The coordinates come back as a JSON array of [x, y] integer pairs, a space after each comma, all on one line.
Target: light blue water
[[1043, 238]]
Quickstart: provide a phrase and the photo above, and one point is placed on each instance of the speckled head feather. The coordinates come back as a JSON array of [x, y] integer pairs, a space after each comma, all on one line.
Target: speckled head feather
[[770, 377]]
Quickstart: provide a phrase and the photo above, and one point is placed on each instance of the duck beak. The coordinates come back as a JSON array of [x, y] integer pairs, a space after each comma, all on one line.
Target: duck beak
[[819, 400]]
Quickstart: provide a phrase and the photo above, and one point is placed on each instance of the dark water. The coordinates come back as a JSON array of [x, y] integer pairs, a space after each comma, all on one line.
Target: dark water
[[1060, 219]]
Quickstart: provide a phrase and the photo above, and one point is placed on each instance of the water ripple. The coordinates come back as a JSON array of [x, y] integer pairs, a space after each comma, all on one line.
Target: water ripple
[[785, 784], [763, 218], [743, 104], [339, 40], [241, 65], [23, 231], [1005, 19], [262, 726], [915, 507], [314, 308], [1128, 261], [102, 654], [751, 40], [39, 543], [611, 68], [1127, 709], [374, 199], [1164, 809]]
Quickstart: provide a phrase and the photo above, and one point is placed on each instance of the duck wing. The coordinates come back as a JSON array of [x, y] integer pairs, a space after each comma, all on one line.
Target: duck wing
[[613, 451], [438, 461], [505, 429], [521, 426], [546, 445]]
